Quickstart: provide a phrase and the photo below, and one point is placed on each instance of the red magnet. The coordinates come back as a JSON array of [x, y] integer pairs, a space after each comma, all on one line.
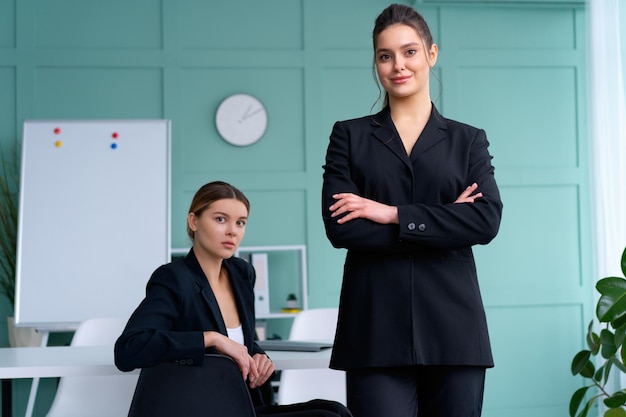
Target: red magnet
[[57, 131], [115, 135]]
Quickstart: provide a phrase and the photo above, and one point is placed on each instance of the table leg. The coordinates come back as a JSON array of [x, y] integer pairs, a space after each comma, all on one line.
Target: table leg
[[7, 398]]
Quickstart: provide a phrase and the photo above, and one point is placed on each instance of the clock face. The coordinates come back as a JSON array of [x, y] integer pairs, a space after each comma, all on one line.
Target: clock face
[[241, 119]]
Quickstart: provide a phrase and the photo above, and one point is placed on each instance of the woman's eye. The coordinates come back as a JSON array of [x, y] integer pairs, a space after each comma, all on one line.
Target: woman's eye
[[384, 57], [241, 223], [411, 52], [220, 219]]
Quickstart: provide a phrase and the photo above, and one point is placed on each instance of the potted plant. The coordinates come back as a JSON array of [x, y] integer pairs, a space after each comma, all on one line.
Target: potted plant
[[9, 185], [8, 226], [605, 351]]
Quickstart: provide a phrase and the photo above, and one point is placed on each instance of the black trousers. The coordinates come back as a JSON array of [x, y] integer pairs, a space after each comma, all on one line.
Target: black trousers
[[313, 408], [416, 391]]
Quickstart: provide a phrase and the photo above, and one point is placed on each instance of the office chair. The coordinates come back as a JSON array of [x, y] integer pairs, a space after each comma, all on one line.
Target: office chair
[[215, 389], [95, 396], [300, 385]]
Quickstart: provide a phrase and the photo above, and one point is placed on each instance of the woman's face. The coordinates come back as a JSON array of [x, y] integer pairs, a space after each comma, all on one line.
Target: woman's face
[[403, 62], [219, 230]]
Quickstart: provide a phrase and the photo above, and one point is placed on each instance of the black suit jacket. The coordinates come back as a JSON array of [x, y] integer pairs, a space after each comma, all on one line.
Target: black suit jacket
[[179, 306], [410, 292]]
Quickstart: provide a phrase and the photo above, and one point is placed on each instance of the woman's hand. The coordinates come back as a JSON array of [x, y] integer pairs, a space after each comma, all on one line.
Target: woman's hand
[[359, 207], [265, 368], [467, 197], [236, 351]]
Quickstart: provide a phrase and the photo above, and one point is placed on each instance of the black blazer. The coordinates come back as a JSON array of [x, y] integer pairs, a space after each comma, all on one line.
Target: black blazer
[[179, 306], [410, 292]]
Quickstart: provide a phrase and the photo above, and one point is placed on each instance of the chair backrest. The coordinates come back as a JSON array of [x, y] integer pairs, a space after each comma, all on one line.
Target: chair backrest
[[215, 389], [316, 324], [299, 385], [95, 396]]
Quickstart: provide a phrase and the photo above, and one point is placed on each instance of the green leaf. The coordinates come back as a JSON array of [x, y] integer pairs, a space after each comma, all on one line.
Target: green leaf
[[582, 365], [619, 320], [620, 335], [609, 284], [612, 303], [615, 412], [607, 371], [593, 340], [616, 400], [608, 343], [576, 399], [597, 376]]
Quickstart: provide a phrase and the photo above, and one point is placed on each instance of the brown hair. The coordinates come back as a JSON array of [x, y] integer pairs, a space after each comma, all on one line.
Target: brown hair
[[210, 193]]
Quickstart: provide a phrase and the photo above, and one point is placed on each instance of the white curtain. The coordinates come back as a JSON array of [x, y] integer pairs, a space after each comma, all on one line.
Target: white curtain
[[607, 141]]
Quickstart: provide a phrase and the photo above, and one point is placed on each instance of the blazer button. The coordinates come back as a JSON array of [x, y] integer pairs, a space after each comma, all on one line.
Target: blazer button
[[421, 227], [411, 226]]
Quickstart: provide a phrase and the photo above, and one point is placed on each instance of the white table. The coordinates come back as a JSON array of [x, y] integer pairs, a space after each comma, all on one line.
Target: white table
[[57, 361], [60, 361]]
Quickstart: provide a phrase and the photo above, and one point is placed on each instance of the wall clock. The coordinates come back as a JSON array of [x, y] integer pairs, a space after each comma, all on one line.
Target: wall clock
[[241, 119]]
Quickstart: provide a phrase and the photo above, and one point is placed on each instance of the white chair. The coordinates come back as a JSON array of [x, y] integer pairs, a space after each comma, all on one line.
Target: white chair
[[95, 396], [299, 385]]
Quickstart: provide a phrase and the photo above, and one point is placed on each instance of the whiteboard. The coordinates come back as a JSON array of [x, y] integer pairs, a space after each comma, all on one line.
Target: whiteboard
[[94, 218]]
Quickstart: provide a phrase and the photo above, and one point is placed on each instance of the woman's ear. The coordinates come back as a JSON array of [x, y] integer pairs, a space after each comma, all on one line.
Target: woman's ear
[[192, 221], [433, 54]]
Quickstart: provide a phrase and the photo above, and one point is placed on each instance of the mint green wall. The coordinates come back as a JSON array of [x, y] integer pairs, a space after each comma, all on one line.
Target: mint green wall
[[515, 69]]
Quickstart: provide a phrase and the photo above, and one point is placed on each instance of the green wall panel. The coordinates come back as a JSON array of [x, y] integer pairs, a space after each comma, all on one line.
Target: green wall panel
[[520, 27], [95, 24], [342, 99], [244, 24], [7, 23], [530, 114], [8, 132], [99, 93], [276, 217], [533, 359], [537, 247], [282, 146]]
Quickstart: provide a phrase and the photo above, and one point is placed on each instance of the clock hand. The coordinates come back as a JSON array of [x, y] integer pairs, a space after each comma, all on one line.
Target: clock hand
[[247, 114]]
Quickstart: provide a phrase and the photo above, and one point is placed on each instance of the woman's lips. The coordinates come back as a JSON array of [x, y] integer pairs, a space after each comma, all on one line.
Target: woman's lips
[[400, 80]]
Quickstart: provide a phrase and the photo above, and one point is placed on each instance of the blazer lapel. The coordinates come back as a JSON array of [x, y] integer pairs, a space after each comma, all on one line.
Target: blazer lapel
[[384, 130], [209, 297], [244, 311], [207, 292], [433, 133]]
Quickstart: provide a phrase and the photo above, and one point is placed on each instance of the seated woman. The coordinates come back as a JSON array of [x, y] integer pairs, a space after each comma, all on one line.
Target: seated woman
[[204, 303]]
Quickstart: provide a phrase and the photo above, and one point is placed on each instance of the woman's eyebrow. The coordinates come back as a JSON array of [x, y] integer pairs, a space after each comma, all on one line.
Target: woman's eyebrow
[[406, 45]]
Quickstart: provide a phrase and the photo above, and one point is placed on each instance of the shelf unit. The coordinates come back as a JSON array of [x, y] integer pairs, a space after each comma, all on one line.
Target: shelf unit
[[284, 261]]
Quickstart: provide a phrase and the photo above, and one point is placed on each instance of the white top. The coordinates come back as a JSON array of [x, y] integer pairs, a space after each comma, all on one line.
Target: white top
[[236, 334]]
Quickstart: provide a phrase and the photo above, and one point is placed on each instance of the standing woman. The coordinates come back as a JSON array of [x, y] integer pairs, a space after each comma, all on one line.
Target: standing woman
[[204, 303], [408, 193]]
